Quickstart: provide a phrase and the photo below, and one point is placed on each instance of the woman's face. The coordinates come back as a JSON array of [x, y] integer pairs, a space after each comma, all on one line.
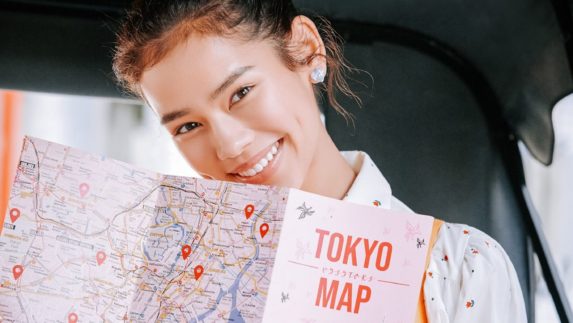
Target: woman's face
[[235, 111]]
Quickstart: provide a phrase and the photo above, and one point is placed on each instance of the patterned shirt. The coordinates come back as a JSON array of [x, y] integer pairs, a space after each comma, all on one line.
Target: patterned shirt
[[469, 279]]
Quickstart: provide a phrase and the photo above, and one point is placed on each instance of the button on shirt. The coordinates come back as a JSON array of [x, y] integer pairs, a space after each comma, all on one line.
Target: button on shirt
[[469, 279]]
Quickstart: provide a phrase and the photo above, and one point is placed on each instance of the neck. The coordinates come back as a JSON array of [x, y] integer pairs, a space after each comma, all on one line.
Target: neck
[[330, 174]]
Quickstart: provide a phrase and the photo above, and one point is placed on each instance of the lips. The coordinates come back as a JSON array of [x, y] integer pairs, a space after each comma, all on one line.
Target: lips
[[266, 171], [262, 163]]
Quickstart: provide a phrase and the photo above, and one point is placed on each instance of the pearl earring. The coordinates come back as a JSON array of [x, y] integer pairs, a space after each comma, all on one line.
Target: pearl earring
[[317, 75]]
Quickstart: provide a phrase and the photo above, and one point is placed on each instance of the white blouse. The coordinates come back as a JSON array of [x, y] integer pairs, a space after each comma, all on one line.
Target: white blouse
[[470, 277]]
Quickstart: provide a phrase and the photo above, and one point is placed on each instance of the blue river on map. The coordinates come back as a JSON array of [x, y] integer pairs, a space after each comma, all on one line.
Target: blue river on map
[[235, 315]]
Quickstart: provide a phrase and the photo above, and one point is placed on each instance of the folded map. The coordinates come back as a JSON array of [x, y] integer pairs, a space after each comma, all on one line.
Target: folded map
[[86, 238]]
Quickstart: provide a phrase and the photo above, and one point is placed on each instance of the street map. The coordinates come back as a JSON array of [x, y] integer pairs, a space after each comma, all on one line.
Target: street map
[[91, 239]]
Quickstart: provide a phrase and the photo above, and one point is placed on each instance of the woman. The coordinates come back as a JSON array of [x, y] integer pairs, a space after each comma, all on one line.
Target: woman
[[235, 83]]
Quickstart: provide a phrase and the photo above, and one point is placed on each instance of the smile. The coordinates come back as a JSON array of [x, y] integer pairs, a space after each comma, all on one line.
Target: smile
[[262, 163]]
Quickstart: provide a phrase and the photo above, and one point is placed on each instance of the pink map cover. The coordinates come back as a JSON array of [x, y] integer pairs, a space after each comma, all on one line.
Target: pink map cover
[[342, 262]]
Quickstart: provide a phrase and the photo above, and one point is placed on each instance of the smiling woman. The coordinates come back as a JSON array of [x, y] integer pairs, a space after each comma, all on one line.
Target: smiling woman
[[223, 113], [236, 83]]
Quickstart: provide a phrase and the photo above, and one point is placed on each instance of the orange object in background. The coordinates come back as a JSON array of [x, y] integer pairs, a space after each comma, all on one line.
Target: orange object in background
[[10, 120]]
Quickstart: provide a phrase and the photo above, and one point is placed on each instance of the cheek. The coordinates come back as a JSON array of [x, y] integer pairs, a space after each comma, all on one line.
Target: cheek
[[197, 153], [273, 119], [269, 108], [277, 110]]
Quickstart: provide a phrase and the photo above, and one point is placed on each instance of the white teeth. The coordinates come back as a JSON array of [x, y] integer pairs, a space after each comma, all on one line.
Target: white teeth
[[261, 164]]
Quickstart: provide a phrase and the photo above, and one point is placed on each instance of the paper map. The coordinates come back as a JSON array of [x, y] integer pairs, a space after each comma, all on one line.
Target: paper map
[[74, 207], [91, 239]]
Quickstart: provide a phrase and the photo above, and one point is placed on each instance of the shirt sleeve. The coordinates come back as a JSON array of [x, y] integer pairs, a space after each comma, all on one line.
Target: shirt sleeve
[[471, 279]]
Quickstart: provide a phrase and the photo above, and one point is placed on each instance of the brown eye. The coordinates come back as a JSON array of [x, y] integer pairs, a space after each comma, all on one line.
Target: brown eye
[[240, 94], [187, 127]]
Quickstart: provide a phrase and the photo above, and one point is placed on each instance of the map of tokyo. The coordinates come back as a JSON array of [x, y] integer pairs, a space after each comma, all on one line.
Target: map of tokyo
[[91, 239], [86, 238]]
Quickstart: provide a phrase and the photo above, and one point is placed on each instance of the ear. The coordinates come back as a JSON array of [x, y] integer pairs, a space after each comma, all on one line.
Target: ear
[[306, 45]]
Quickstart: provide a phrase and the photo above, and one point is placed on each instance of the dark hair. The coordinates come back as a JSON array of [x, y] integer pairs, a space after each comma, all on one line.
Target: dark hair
[[153, 27]]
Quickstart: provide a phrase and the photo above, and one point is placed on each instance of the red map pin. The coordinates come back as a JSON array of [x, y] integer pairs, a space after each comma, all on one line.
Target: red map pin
[[249, 209], [198, 271], [264, 229], [185, 251], [14, 214], [84, 189], [17, 271], [72, 318], [100, 257]]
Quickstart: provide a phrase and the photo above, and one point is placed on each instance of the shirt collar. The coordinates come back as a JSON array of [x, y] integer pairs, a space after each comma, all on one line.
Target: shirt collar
[[369, 187]]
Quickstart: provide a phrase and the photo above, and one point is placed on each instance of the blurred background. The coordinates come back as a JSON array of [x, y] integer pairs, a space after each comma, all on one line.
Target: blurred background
[[456, 83], [551, 188], [129, 131]]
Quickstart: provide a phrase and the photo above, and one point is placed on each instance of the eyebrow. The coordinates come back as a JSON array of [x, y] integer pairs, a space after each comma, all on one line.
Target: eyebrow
[[172, 116], [228, 81]]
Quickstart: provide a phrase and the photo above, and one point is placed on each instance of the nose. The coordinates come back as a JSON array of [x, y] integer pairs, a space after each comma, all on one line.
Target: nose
[[230, 136]]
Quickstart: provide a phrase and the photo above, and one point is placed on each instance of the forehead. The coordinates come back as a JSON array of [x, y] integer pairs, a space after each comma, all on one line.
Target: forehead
[[198, 65]]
